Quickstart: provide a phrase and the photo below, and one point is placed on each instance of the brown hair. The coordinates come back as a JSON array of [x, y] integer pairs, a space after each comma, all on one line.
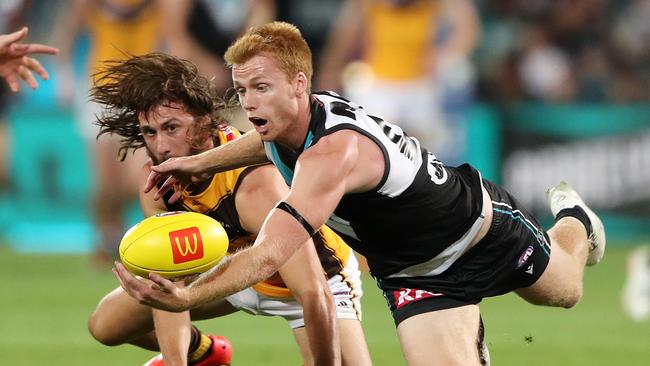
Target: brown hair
[[281, 40], [126, 88]]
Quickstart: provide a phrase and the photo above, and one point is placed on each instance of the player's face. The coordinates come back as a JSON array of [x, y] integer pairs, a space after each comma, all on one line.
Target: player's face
[[267, 95], [167, 132]]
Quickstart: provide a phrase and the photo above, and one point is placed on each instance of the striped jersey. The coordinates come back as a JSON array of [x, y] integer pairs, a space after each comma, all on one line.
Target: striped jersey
[[421, 216]]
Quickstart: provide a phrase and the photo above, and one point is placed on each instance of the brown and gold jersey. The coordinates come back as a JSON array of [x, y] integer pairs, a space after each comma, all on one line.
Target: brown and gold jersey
[[120, 28]]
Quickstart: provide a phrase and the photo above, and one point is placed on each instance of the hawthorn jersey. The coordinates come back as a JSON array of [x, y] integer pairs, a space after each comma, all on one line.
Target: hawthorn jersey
[[119, 28], [399, 37], [419, 219], [217, 199]]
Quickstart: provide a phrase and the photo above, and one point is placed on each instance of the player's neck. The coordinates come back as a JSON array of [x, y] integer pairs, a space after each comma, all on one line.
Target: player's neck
[[294, 137]]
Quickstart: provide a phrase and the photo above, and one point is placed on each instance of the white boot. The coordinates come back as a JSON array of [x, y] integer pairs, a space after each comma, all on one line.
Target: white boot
[[563, 196]]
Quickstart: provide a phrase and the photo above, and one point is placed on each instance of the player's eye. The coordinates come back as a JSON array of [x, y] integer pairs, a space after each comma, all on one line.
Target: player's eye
[[262, 88]]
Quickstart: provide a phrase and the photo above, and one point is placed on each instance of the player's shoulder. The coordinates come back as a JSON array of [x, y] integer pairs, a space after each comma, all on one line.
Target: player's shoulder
[[336, 143], [337, 109]]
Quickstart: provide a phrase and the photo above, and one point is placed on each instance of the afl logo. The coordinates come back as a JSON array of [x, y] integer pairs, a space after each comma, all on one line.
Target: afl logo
[[524, 256]]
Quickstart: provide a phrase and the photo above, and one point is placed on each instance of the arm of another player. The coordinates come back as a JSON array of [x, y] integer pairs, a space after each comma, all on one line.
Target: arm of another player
[[15, 63], [316, 191], [303, 274], [178, 173]]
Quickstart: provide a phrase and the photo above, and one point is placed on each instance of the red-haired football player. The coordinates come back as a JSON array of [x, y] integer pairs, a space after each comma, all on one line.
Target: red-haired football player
[[438, 239], [159, 102]]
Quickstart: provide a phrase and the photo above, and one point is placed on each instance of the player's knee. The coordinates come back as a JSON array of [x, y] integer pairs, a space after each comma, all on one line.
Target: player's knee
[[101, 331], [570, 298]]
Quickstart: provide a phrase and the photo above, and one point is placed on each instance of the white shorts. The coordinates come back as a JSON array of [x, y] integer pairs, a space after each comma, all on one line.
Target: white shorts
[[345, 288]]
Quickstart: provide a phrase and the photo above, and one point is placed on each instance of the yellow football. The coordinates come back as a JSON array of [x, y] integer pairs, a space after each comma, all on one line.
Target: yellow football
[[173, 244]]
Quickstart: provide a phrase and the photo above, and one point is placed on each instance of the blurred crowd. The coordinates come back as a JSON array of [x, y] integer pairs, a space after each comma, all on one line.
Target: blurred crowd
[[419, 63], [594, 51]]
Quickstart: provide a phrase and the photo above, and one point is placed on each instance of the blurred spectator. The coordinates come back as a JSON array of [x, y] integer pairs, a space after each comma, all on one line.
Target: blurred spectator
[[413, 65], [314, 18], [636, 290], [544, 69], [116, 29], [202, 30], [560, 51]]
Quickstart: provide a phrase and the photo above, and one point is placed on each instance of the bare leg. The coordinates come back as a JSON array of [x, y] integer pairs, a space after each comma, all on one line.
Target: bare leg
[[444, 337], [561, 282], [120, 319], [303, 344], [174, 333], [354, 350]]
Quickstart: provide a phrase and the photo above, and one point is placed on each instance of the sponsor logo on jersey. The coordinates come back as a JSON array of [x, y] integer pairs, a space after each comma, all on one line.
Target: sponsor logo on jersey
[[524, 256], [406, 296], [187, 244]]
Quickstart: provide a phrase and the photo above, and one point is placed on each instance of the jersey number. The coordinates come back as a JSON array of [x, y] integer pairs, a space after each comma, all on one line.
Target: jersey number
[[404, 142]]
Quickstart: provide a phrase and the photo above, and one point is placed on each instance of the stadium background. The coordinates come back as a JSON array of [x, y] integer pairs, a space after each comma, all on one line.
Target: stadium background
[[597, 139]]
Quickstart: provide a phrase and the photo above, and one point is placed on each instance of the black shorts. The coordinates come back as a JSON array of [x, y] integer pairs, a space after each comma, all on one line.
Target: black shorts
[[513, 254]]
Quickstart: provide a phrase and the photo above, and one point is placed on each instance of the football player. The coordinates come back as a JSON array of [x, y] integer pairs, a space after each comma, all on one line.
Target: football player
[[159, 102], [438, 239]]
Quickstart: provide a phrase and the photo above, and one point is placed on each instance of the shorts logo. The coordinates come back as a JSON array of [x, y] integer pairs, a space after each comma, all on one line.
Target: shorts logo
[[524, 256], [187, 244], [406, 296]]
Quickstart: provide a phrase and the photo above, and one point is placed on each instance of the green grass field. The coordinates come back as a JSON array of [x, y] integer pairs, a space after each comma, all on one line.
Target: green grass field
[[46, 299]]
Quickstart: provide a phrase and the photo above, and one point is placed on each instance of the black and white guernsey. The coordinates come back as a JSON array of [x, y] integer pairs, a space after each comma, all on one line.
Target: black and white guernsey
[[422, 215]]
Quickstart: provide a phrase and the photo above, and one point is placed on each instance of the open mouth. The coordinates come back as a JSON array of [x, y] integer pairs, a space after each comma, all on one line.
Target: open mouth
[[260, 122]]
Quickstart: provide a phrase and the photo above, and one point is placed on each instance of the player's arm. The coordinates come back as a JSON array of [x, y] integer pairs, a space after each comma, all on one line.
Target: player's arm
[[172, 329], [303, 274], [315, 194], [16, 62], [178, 173]]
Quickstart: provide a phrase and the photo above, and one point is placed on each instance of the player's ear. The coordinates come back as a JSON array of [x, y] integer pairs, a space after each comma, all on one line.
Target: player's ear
[[300, 83]]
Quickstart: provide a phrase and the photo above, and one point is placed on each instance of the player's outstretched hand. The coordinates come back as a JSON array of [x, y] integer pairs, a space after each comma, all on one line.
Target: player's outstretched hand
[[15, 63], [157, 292], [176, 174]]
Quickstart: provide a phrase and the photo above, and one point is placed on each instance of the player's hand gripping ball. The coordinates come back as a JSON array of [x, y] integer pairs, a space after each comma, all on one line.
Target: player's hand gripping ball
[[173, 244]]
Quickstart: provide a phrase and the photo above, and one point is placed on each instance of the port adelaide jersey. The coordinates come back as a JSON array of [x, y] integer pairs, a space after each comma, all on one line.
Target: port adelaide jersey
[[422, 215]]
